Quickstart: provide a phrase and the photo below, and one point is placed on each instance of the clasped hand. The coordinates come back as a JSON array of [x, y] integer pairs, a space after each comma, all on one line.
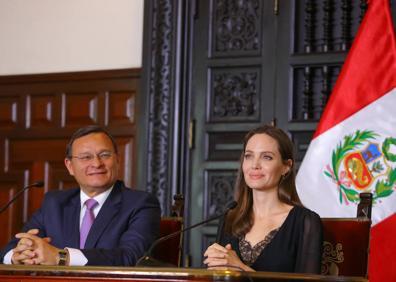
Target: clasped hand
[[218, 257], [32, 249]]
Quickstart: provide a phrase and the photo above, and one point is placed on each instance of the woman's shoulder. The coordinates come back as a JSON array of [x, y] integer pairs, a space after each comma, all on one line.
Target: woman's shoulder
[[305, 214]]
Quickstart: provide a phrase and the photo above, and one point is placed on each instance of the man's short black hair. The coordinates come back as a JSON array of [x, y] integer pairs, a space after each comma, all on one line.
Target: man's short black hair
[[85, 131]]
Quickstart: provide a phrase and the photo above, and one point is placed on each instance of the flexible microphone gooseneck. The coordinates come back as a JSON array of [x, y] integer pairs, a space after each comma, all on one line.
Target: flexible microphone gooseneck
[[148, 260], [35, 184]]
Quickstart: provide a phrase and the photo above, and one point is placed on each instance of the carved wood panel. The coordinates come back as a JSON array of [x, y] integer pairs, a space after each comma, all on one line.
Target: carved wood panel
[[236, 28], [234, 94], [38, 113], [219, 190]]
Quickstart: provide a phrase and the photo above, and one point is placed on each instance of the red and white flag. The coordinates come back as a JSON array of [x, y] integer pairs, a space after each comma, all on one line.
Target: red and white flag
[[354, 146]]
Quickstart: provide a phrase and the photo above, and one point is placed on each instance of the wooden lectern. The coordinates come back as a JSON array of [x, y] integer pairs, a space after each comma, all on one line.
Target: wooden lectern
[[20, 273]]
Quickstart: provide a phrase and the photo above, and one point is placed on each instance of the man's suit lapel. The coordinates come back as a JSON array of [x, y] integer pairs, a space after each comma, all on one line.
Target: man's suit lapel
[[108, 211], [71, 222]]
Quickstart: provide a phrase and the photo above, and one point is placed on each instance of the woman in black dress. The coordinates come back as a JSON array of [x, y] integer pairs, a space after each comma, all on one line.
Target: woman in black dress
[[269, 230]]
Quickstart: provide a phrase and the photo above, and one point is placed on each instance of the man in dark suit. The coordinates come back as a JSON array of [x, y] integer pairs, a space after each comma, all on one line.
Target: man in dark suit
[[100, 223]]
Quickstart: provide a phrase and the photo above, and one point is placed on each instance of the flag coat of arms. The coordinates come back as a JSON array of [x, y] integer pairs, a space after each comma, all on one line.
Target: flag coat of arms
[[354, 147]]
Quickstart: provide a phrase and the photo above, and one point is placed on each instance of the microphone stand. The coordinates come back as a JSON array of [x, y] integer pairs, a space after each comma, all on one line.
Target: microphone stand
[[148, 260], [35, 184]]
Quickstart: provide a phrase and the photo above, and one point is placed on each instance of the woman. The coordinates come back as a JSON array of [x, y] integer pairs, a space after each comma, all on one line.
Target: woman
[[269, 230]]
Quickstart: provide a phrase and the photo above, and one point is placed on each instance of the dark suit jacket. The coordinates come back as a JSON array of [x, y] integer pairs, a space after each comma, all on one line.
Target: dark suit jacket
[[123, 230]]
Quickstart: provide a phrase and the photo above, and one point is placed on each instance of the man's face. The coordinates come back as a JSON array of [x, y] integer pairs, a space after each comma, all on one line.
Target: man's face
[[94, 164]]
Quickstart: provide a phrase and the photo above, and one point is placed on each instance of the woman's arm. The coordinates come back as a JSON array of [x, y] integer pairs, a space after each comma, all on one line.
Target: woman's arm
[[309, 253]]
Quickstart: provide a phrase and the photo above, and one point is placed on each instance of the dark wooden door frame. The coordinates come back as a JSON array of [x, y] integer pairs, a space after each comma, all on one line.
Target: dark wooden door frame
[[163, 107]]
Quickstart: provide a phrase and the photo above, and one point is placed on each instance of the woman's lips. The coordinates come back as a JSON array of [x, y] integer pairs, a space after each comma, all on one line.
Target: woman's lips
[[256, 176]]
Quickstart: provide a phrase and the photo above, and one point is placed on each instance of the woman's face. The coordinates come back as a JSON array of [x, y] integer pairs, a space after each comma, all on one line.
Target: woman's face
[[262, 163]]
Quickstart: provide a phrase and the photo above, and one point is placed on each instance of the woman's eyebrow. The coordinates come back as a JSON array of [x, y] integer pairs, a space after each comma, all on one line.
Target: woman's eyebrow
[[260, 152]]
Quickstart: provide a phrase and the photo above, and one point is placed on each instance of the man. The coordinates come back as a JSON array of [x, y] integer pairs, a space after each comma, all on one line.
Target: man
[[100, 223]]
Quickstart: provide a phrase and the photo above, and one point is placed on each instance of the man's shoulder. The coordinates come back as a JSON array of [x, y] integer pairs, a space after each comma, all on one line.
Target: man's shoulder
[[62, 195], [131, 192], [136, 196], [134, 192]]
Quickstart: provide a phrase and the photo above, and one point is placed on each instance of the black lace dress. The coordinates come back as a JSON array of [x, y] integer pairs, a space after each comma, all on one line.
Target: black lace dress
[[296, 246]]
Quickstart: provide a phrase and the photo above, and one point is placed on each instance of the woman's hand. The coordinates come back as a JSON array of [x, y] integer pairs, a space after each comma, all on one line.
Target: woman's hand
[[218, 256]]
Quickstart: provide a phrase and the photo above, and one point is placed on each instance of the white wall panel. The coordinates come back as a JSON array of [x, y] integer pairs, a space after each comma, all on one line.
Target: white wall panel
[[46, 36]]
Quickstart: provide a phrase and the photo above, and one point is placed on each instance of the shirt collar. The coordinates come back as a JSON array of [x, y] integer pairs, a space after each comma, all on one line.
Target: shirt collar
[[101, 198]]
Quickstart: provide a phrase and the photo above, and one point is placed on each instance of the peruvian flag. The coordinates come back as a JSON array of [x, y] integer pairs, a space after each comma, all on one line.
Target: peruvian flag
[[354, 146]]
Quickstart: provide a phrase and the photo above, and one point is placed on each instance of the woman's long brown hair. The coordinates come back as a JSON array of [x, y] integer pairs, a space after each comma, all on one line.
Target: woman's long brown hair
[[240, 220]]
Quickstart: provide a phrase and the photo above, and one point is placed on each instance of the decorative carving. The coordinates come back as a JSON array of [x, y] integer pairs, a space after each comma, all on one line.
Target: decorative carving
[[234, 96], [327, 25], [220, 191], [312, 89], [325, 92], [159, 98], [177, 209], [331, 257], [237, 26], [346, 21], [310, 11], [307, 94]]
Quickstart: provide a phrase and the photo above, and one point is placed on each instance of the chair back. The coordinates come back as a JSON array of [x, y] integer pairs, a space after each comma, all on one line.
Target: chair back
[[346, 241], [170, 251], [345, 246]]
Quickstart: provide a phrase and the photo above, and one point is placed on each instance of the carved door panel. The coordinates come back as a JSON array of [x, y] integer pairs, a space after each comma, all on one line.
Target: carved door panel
[[233, 89]]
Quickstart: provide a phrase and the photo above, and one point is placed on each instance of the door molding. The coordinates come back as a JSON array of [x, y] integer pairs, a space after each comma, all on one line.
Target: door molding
[[163, 107]]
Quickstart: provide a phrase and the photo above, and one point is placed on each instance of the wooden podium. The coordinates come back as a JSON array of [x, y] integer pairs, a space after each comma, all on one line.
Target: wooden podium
[[21, 273]]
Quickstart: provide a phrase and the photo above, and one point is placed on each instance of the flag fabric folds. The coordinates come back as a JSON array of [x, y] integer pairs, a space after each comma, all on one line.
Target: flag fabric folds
[[354, 146]]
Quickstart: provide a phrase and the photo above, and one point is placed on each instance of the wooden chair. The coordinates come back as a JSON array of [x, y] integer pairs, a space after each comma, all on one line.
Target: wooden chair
[[346, 242], [170, 251]]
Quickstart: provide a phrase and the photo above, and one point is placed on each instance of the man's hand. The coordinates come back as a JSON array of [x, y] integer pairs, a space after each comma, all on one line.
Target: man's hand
[[32, 249], [24, 249]]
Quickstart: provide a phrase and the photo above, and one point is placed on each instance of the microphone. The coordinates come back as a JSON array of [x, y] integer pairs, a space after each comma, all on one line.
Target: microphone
[[220, 230], [148, 260], [35, 184]]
